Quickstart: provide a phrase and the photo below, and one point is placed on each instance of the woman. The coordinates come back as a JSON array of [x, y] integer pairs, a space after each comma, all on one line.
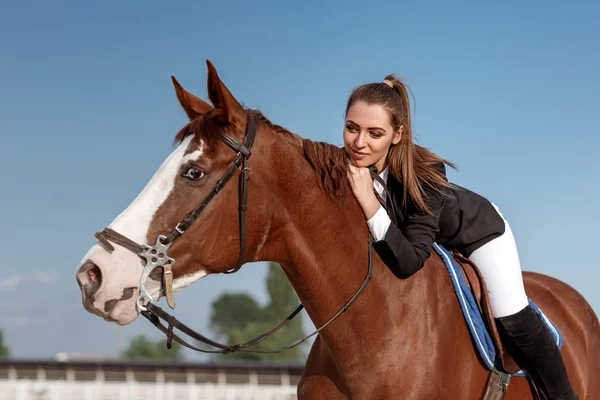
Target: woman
[[427, 208]]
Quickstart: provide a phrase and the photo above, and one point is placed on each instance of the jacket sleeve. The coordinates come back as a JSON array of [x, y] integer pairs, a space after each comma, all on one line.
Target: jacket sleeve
[[405, 250]]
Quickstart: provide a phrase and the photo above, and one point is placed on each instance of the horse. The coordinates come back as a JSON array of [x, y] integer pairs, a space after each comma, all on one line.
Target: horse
[[400, 338]]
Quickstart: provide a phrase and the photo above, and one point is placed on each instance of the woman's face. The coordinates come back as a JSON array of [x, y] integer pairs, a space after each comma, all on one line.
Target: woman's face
[[368, 134]]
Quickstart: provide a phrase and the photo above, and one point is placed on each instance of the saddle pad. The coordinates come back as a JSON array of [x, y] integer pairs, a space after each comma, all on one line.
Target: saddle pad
[[481, 336]]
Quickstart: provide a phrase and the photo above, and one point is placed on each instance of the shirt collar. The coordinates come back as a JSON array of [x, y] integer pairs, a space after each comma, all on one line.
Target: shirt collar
[[384, 174], [378, 187]]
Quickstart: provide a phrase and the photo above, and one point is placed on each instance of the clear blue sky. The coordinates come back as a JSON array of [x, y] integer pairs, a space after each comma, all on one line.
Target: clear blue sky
[[509, 92]]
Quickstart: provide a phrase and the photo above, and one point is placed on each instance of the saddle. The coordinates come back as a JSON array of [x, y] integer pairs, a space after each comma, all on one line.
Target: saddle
[[473, 298], [476, 284]]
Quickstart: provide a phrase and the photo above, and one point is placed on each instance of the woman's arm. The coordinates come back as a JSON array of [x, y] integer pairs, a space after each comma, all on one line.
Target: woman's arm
[[404, 250]]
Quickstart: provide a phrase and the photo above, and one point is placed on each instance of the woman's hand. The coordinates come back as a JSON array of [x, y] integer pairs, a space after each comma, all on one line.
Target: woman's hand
[[362, 187]]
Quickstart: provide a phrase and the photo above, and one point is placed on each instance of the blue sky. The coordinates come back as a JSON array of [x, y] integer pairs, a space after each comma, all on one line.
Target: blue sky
[[510, 92]]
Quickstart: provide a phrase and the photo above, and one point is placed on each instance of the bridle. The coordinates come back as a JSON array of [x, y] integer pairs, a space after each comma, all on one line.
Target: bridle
[[156, 257]]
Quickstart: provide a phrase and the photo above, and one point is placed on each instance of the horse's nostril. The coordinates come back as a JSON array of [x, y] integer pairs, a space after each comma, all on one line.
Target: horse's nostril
[[95, 275], [89, 275]]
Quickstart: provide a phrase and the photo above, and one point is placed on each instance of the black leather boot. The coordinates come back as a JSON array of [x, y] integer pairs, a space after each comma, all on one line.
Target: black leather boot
[[529, 341]]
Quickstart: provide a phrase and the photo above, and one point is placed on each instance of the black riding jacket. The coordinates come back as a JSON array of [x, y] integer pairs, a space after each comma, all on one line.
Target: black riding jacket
[[462, 221]]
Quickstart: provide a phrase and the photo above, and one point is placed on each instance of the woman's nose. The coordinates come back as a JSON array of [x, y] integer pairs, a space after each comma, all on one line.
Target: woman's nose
[[360, 141]]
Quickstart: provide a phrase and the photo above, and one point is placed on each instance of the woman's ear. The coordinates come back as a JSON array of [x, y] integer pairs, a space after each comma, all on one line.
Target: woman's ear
[[398, 135]]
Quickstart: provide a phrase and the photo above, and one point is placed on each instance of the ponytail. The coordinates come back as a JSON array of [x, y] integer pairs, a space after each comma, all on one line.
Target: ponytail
[[414, 166]]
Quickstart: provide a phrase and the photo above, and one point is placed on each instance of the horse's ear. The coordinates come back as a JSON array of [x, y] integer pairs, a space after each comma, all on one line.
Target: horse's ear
[[192, 105], [227, 109]]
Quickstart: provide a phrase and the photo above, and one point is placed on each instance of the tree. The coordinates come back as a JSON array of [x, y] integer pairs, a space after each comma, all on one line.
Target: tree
[[142, 348], [238, 318], [4, 352], [234, 311]]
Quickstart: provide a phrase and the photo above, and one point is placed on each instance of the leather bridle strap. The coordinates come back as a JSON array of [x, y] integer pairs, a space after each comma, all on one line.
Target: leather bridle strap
[[115, 237], [108, 235], [243, 201], [240, 159], [163, 242], [155, 313]]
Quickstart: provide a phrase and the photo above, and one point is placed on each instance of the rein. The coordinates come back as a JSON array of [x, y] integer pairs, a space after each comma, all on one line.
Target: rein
[[156, 257]]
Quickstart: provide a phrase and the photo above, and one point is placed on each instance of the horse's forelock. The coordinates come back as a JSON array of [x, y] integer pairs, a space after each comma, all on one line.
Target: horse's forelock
[[190, 128]]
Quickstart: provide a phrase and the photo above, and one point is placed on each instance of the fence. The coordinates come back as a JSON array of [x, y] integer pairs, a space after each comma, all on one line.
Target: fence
[[120, 380]]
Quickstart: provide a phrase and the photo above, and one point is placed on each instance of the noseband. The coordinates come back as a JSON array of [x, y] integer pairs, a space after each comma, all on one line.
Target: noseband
[[156, 257]]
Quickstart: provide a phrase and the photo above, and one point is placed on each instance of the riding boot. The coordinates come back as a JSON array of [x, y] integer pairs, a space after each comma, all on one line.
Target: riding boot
[[532, 346]]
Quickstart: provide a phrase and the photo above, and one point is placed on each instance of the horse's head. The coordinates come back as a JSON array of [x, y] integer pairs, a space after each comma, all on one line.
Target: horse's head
[[109, 274]]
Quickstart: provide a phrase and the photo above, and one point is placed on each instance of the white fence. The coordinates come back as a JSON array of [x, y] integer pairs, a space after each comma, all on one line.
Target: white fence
[[118, 381], [61, 390]]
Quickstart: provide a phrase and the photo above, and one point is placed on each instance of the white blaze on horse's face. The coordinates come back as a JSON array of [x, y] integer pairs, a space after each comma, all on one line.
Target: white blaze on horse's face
[[134, 222], [110, 280]]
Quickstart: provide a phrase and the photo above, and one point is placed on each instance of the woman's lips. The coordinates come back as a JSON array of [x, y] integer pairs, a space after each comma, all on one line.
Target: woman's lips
[[359, 155]]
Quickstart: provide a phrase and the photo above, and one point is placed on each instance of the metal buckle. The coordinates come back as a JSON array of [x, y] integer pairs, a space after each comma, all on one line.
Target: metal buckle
[[156, 256]]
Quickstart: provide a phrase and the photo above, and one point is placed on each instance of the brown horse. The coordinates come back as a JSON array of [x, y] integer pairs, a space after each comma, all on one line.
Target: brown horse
[[401, 339]]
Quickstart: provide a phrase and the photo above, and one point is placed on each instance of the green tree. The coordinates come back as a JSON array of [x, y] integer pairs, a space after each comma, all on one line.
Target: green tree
[[4, 352], [238, 318], [282, 295], [142, 348], [233, 311]]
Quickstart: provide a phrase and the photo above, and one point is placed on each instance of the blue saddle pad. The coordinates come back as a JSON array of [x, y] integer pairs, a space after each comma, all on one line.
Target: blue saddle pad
[[474, 319]]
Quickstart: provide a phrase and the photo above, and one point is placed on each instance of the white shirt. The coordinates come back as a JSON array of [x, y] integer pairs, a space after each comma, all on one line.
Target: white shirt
[[380, 222]]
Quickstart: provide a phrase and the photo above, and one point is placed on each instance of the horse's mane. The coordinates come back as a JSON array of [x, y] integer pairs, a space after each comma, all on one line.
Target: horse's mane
[[329, 162]]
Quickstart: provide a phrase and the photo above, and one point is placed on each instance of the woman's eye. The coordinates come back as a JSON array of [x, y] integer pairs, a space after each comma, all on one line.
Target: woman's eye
[[376, 134], [350, 128], [193, 174]]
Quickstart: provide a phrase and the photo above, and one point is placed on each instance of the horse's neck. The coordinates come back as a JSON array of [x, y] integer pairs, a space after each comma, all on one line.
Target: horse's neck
[[325, 256]]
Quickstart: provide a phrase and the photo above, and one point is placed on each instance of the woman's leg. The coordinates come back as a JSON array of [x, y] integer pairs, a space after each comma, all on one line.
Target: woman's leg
[[523, 332], [499, 264]]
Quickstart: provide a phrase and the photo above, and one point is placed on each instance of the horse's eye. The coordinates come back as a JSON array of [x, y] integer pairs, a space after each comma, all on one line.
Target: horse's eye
[[193, 174]]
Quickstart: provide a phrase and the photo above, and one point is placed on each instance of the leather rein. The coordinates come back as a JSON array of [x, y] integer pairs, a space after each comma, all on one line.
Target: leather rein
[[156, 257]]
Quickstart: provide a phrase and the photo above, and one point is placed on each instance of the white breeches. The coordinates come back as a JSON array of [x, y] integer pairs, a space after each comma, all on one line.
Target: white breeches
[[499, 263]]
